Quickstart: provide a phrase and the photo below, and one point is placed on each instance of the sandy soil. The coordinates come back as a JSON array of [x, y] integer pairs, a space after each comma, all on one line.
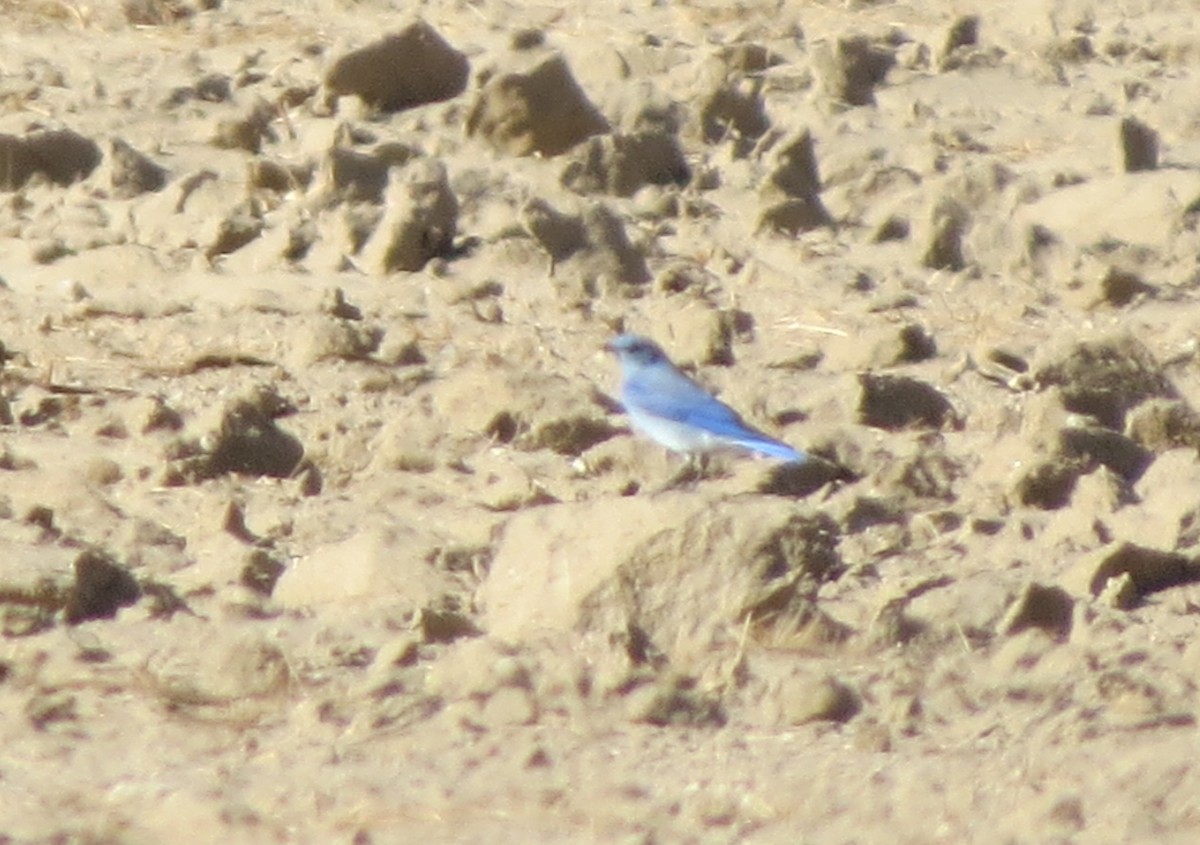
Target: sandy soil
[[319, 520]]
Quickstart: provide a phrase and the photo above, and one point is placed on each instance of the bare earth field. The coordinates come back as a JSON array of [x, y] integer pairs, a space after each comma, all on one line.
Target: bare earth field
[[319, 521]]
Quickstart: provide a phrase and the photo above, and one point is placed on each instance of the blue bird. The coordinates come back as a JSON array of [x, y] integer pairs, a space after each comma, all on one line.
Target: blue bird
[[671, 409]]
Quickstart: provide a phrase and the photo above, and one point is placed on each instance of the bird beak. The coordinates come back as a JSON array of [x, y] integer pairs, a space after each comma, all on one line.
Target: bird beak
[[608, 347]]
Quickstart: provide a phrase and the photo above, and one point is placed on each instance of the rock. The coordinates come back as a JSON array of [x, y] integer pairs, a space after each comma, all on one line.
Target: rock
[[849, 70], [408, 68], [389, 563], [621, 164], [100, 589], [1138, 146], [419, 220], [133, 173], [1039, 606], [538, 111], [899, 402]]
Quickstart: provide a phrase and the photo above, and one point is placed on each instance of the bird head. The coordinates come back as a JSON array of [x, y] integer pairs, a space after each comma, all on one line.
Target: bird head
[[635, 350]]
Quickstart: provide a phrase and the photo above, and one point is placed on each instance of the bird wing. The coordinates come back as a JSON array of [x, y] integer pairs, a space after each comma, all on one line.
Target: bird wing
[[665, 392]]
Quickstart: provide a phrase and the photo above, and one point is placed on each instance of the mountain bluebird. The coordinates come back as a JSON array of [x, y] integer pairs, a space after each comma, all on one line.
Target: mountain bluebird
[[670, 408]]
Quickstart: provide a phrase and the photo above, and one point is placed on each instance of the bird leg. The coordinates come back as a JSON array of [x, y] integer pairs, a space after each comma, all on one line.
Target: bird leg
[[696, 468]]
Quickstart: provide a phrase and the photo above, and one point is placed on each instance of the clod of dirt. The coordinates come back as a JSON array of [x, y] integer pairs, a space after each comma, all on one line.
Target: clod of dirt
[[803, 697], [941, 244], [100, 589], [912, 343], [1165, 511], [327, 338], [962, 33], [849, 70], [794, 170], [133, 172], [794, 216], [569, 435], [749, 57], [1120, 287], [247, 132], [347, 175], [560, 235], [1146, 570], [1048, 485], [621, 164], [162, 12], [1114, 450], [899, 402], [542, 110], [207, 672], [408, 68], [734, 112], [561, 567], [62, 156], [1163, 424], [672, 701], [1138, 146], [242, 225], [800, 480], [246, 440], [1107, 378], [391, 561], [280, 177], [1040, 606], [419, 220]]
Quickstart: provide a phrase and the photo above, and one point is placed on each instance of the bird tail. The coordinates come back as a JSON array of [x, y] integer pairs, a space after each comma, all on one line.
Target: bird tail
[[773, 449]]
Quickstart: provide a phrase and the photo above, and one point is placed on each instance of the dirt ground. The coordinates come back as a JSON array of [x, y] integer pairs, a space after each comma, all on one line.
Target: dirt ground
[[319, 518]]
